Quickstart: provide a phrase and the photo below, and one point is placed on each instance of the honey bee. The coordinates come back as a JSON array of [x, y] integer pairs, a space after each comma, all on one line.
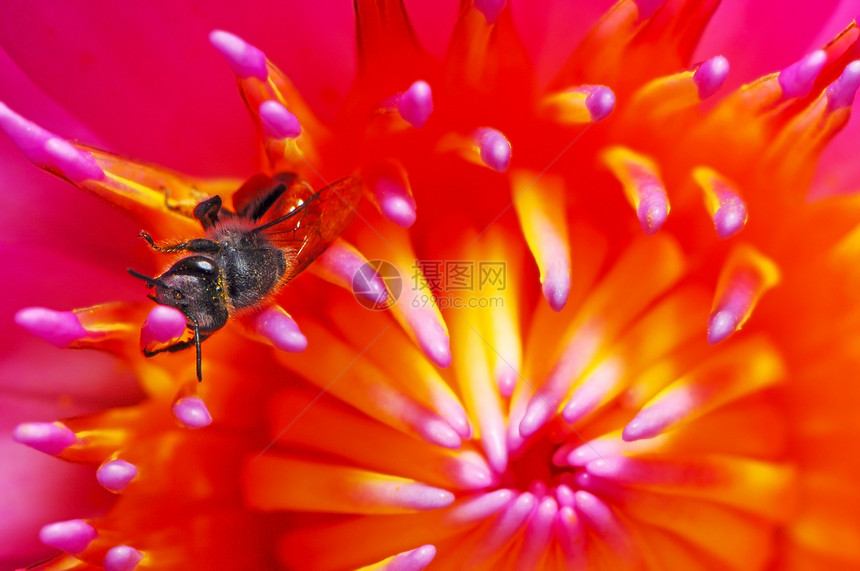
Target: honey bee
[[280, 225]]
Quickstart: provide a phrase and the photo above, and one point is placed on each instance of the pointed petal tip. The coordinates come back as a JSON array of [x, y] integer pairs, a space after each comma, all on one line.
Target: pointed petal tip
[[116, 475], [278, 122], [415, 105], [245, 60], [191, 412], [48, 437], [72, 536], [710, 76], [122, 558], [59, 328]]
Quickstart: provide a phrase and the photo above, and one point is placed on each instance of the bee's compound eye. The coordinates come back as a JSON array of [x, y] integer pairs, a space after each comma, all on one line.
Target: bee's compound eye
[[195, 266]]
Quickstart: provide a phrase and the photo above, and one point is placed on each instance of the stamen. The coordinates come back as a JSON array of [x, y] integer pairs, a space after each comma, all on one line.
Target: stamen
[[746, 275], [668, 96], [737, 371], [391, 192], [278, 122], [417, 312], [505, 526], [72, 536], [710, 76], [415, 560], [122, 558], [191, 412], [115, 475], [48, 437], [723, 201], [416, 104], [540, 207], [798, 79], [601, 382], [640, 178], [244, 60], [479, 392], [343, 265], [564, 496], [840, 93], [754, 486], [490, 8], [278, 328], [571, 538], [59, 328], [163, 324], [537, 534], [493, 148], [391, 533], [579, 105], [47, 150], [605, 523], [281, 483]]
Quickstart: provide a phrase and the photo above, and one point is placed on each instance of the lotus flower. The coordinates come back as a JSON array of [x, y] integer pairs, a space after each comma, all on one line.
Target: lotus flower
[[597, 309]]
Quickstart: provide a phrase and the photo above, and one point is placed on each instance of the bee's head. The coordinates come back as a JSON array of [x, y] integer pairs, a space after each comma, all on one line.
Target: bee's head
[[192, 286]]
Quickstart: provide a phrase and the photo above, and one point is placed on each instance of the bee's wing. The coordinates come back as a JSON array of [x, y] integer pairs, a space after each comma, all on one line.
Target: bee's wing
[[304, 232]]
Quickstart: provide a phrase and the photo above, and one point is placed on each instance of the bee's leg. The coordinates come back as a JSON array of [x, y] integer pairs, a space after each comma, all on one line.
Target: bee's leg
[[207, 212], [196, 245]]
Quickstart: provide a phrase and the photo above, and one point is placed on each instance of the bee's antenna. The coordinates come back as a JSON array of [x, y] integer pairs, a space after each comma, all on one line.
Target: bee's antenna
[[147, 279]]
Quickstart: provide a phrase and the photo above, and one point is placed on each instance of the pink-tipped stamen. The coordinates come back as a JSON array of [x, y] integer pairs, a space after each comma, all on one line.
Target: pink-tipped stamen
[[47, 150], [391, 192], [278, 122], [72, 536], [415, 104], [277, 327], [798, 79], [115, 475], [59, 328], [710, 76], [642, 185], [245, 60], [191, 412], [840, 93], [745, 277], [493, 147], [122, 558], [163, 324], [48, 437]]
